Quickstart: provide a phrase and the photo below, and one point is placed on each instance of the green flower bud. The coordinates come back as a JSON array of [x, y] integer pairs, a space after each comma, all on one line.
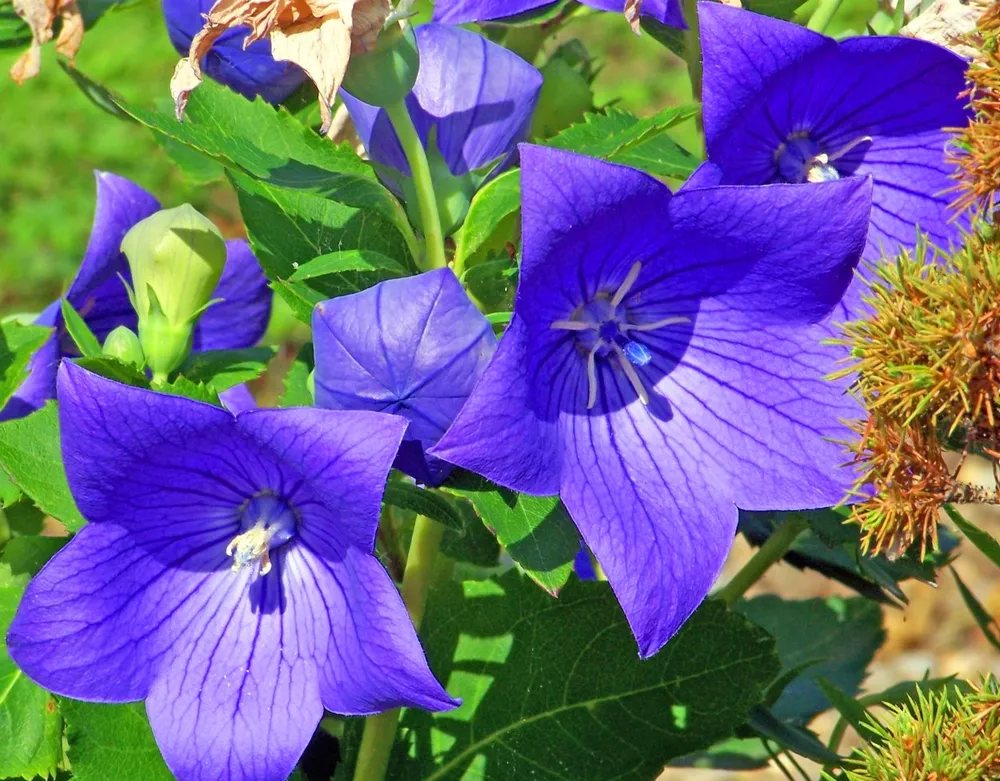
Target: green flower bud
[[123, 344], [176, 257], [453, 193], [386, 74], [566, 94]]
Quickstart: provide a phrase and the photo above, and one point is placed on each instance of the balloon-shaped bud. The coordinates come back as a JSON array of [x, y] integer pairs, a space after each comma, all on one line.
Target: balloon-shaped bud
[[176, 257], [123, 344], [386, 74]]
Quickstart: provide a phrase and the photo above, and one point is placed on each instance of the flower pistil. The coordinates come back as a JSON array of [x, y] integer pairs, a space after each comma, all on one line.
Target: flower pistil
[[267, 522]]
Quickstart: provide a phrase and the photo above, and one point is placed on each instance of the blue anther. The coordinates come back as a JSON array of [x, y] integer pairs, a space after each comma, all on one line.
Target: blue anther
[[637, 354]]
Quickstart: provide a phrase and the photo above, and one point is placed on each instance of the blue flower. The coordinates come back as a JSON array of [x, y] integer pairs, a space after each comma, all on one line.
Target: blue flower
[[462, 11], [661, 370], [226, 576], [99, 295]]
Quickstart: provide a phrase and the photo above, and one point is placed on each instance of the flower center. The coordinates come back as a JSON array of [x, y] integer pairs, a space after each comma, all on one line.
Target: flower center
[[266, 522], [604, 329], [801, 159]]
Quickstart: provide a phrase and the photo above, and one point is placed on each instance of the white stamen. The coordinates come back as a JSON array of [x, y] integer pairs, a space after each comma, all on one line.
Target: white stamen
[[574, 325], [626, 327], [844, 150], [592, 375], [250, 546], [632, 374], [626, 286]]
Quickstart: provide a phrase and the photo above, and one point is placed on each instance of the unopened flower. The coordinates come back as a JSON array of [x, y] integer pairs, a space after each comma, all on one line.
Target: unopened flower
[[472, 103], [226, 576], [786, 104], [249, 70], [317, 35], [975, 152], [462, 11], [660, 370], [414, 347], [41, 16], [99, 294], [949, 734]]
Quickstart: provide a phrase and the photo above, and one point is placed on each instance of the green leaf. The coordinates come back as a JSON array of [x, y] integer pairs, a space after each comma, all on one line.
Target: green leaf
[[668, 36], [839, 635], [560, 693], [985, 621], [289, 228], [989, 546], [225, 369], [113, 369], [17, 344], [621, 137], [188, 389], [256, 140], [30, 723], [498, 199], [536, 531], [425, 501], [779, 9], [790, 736], [112, 743], [297, 392], [348, 271], [493, 284], [80, 331], [30, 453], [848, 707]]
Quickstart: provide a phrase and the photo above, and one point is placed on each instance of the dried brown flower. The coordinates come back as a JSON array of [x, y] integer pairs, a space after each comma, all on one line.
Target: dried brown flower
[[40, 16]]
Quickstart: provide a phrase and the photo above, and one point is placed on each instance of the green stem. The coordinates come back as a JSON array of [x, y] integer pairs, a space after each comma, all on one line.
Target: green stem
[[692, 55], [823, 15], [771, 551], [380, 730], [416, 156]]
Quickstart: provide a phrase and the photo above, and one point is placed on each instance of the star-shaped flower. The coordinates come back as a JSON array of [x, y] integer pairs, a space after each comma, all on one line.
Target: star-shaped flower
[[226, 576], [98, 294], [659, 370], [414, 347], [462, 11], [785, 104], [250, 71]]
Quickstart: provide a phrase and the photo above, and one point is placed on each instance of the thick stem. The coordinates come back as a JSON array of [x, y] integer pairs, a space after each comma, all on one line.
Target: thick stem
[[823, 15], [420, 170], [692, 55], [380, 730], [773, 549]]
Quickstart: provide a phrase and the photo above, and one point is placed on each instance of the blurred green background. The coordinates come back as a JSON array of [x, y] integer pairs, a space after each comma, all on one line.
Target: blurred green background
[[52, 137]]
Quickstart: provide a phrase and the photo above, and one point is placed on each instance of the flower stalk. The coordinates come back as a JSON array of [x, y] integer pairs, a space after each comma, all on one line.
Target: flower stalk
[[773, 549], [416, 156], [380, 730]]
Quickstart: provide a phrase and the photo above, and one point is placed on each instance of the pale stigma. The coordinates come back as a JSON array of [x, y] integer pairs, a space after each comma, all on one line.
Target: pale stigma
[[250, 546]]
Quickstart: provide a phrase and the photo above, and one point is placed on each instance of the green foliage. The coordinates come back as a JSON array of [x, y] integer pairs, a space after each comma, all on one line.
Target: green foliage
[[832, 638], [497, 200], [298, 392], [17, 344], [983, 619], [80, 332], [493, 284], [112, 743], [536, 531], [349, 271], [619, 136], [225, 369], [30, 722], [987, 545], [30, 455], [426, 501], [562, 692]]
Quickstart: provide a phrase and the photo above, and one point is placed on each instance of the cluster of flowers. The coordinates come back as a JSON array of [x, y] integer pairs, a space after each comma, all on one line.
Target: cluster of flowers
[[664, 365]]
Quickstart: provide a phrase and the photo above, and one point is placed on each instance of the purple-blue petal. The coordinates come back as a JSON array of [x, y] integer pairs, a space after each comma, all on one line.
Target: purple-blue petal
[[240, 318], [413, 347], [477, 96], [250, 72], [463, 11], [666, 11]]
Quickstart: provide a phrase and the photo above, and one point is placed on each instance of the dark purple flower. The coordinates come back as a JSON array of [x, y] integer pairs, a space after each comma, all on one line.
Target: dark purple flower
[[785, 104], [462, 11], [250, 72], [476, 98], [226, 576], [660, 368], [414, 347], [97, 293]]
